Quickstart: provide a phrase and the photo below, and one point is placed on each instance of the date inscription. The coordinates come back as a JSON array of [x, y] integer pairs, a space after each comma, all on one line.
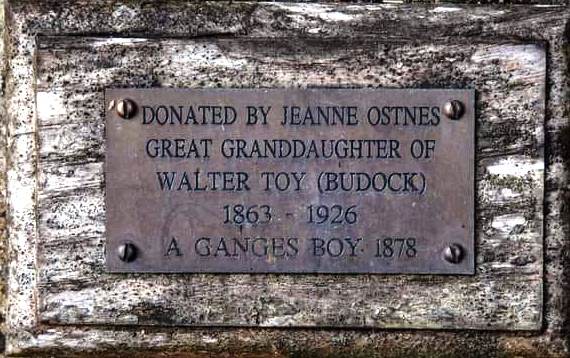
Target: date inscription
[[289, 180]]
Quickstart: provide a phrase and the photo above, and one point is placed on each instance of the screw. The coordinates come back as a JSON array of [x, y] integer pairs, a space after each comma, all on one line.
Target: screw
[[127, 252], [453, 109], [453, 254], [126, 108]]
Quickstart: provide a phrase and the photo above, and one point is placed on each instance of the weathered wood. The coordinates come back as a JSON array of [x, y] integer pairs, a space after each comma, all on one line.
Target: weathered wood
[[71, 76], [461, 50]]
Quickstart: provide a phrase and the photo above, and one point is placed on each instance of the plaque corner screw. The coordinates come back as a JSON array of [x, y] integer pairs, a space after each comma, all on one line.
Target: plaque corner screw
[[127, 252], [126, 108], [453, 253], [453, 109]]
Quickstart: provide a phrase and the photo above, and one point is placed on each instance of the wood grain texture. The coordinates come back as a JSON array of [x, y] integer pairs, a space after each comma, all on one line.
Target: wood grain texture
[[488, 35], [74, 288]]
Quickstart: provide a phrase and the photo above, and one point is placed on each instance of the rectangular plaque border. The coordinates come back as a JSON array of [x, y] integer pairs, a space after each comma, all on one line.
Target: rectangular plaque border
[[131, 130]]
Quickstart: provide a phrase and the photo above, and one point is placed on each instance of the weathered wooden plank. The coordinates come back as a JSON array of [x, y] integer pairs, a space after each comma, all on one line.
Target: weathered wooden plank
[[71, 215], [386, 21], [150, 342], [285, 301], [391, 21]]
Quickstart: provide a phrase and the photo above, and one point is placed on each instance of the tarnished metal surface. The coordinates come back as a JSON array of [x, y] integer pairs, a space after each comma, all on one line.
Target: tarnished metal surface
[[290, 180]]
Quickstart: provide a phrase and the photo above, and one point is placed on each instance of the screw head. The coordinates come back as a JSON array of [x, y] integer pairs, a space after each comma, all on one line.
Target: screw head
[[453, 109], [126, 108], [127, 252], [453, 253]]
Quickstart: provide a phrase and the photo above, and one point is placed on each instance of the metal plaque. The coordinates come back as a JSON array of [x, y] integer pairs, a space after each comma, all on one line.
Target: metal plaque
[[290, 180]]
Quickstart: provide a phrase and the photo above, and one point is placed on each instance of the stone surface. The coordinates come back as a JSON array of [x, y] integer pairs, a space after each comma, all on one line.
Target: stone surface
[[63, 176]]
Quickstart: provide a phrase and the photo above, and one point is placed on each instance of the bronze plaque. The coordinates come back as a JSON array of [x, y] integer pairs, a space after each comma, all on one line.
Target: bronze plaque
[[290, 180]]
